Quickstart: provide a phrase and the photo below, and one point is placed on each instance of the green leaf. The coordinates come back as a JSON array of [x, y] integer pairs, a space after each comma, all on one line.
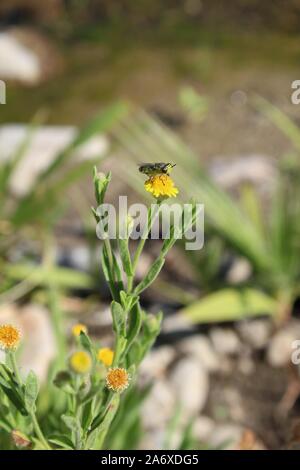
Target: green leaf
[[86, 343], [63, 381], [61, 441], [135, 323], [71, 422], [125, 256], [119, 318], [101, 182], [230, 305], [11, 389], [31, 391], [150, 276]]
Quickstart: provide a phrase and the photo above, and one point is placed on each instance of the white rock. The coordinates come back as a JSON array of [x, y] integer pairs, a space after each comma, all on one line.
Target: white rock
[[158, 407], [255, 332], [225, 341], [200, 347], [18, 62], [177, 322], [45, 145], [190, 383], [280, 348], [239, 272], [226, 436], [156, 362], [38, 344], [202, 428], [256, 169]]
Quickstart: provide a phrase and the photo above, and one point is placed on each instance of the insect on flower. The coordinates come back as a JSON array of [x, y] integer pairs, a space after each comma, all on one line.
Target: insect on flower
[[152, 169], [159, 182]]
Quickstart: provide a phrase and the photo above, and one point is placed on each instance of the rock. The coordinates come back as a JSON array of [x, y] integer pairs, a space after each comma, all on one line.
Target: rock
[[38, 343], [256, 169], [226, 436], [156, 362], [46, 143], [225, 341], [239, 271], [158, 408], [190, 383], [280, 348], [202, 428], [76, 256], [26, 56], [200, 347], [177, 322], [246, 365], [255, 332]]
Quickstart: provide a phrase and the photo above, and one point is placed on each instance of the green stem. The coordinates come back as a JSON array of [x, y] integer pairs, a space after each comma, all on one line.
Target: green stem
[[150, 221], [32, 415], [38, 431], [15, 368]]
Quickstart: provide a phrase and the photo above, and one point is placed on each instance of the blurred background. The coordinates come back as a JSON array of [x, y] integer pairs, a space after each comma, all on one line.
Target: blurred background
[[202, 83]]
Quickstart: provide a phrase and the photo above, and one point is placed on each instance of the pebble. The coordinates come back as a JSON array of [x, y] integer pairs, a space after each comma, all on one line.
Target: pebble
[[190, 383], [255, 332], [280, 348], [200, 347], [225, 341], [38, 343], [45, 144]]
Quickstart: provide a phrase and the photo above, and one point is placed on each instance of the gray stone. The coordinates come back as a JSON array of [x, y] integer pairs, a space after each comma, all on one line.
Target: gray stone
[[225, 341], [158, 407], [156, 362], [190, 383], [46, 143], [239, 272], [200, 347], [280, 348], [38, 343], [226, 436], [202, 428], [255, 332]]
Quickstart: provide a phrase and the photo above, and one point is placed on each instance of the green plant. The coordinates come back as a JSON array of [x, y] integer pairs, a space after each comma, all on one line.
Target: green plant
[[267, 237], [84, 397]]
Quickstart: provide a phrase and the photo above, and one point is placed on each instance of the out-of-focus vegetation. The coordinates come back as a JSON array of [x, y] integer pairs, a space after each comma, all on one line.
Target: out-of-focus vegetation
[[266, 236]]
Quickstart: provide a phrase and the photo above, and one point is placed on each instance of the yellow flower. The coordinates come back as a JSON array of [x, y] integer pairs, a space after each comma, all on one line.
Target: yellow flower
[[105, 355], [81, 362], [78, 328], [9, 337], [161, 186], [117, 379]]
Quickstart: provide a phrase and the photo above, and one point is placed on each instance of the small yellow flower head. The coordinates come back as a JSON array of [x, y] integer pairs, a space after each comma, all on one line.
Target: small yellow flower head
[[106, 356], [78, 328], [9, 337], [81, 362], [117, 379], [161, 186]]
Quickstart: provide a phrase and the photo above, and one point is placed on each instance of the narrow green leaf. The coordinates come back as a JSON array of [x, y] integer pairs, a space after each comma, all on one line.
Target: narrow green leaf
[[150, 276], [230, 305], [31, 391]]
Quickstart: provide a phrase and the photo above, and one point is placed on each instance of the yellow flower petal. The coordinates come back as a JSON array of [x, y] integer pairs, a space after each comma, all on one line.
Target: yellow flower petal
[[78, 328], [9, 337], [106, 356], [161, 186], [117, 379], [81, 362]]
